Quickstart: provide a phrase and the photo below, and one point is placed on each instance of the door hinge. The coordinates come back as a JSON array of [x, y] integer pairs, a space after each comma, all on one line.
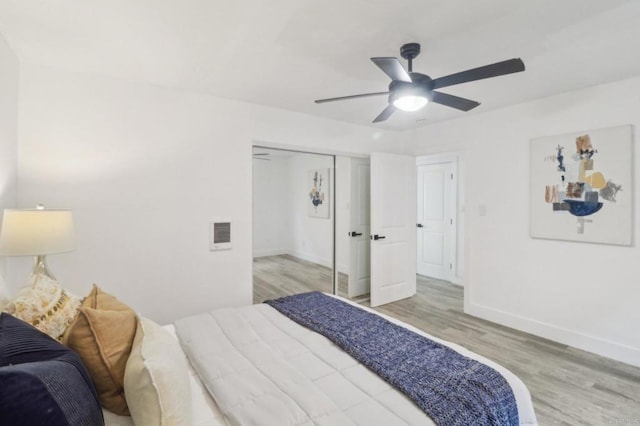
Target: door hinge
[[451, 266], [451, 176], [451, 220]]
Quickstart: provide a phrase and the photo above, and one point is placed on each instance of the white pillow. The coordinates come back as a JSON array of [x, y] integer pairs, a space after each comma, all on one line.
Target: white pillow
[[156, 379]]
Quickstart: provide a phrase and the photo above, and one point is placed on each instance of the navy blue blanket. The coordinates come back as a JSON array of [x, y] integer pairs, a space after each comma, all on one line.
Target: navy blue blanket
[[451, 388]]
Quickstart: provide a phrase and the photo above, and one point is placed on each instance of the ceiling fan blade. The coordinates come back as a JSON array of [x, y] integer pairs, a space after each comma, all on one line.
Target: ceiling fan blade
[[454, 101], [386, 113], [393, 68], [509, 66], [342, 98]]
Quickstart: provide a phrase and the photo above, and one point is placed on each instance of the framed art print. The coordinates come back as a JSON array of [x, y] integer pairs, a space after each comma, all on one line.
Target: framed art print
[[318, 195], [581, 186]]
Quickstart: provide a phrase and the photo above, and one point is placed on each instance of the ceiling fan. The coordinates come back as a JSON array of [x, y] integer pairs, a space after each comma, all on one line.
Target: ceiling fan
[[411, 91]]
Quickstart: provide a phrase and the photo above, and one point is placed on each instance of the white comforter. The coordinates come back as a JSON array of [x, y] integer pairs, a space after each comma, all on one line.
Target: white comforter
[[262, 368]]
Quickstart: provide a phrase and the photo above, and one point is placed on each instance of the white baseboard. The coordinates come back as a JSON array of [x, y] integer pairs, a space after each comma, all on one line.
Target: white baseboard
[[270, 252], [597, 345], [342, 268], [457, 280], [301, 255], [310, 257]]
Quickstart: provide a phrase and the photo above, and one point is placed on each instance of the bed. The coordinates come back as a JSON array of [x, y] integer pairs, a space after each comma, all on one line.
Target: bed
[[307, 359], [254, 365]]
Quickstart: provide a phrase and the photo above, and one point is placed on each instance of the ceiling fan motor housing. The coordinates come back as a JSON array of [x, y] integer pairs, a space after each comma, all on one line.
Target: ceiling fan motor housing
[[421, 85]]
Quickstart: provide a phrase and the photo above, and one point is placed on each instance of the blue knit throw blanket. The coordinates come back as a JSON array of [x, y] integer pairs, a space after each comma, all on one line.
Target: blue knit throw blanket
[[451, 388]]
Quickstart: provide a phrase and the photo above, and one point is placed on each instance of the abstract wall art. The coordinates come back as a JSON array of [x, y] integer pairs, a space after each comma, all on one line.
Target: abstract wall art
[[581, 186], [318, 195]]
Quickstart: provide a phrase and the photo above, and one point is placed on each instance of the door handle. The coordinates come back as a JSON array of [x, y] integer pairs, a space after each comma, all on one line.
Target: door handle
[[355, 234], [378, 237], [419, 225]]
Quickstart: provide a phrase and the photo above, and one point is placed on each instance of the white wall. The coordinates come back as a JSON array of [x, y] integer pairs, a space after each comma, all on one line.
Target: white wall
[[8, 138], [531, 284], [144, 169], [271, 207]]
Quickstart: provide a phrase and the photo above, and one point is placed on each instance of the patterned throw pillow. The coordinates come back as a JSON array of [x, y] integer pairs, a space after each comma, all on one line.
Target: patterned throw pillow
[[45, 305]]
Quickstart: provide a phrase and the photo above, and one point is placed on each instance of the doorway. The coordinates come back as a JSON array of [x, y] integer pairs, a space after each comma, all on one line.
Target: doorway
[[380, 215], [437, 217]]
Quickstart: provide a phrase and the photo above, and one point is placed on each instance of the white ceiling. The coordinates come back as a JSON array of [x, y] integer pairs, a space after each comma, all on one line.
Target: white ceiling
[[286, 53]]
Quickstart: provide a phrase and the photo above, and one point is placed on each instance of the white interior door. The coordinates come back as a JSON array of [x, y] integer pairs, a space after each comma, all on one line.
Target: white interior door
[[359, 261], [393, 224], [435, 220]]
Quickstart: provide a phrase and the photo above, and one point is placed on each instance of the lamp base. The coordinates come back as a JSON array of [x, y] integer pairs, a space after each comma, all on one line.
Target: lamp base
[[40, 267]]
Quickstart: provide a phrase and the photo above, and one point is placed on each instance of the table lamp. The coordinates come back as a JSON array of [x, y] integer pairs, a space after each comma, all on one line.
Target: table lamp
[[36, 232]]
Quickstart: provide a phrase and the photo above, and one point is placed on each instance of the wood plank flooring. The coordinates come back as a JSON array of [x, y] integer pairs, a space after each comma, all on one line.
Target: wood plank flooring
[[568, 386], [277, 276]]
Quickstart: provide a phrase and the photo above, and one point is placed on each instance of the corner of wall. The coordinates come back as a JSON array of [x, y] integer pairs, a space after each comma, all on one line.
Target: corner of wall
[[9, 69]]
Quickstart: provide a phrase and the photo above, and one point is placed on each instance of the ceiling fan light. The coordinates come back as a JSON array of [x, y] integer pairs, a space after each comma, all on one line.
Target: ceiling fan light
[[410, 103]]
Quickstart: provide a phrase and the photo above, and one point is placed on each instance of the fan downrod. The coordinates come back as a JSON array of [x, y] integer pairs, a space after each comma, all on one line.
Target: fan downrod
[[409, 51]]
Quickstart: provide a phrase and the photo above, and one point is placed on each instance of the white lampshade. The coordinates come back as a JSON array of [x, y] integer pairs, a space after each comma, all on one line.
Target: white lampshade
[[35, 232]]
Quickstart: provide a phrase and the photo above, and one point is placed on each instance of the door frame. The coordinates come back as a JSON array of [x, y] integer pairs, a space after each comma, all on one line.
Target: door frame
[[456, 208]]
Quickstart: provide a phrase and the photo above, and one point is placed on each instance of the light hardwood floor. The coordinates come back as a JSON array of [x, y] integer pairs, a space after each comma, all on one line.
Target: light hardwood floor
[[568, 386], [277, 276]]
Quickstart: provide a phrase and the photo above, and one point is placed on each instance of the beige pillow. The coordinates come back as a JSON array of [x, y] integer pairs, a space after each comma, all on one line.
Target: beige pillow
[[103, 340], [156, 380], [45, 305], [98, 299]]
